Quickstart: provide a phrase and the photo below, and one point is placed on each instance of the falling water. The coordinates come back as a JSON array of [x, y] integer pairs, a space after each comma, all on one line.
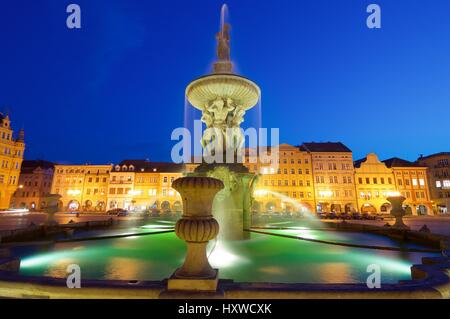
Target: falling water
[[223, 16], [299, 207]]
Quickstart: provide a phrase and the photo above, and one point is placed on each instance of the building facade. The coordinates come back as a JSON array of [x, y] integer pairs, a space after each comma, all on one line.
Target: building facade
[[81, 187], [438, 180], [312, 177], [333, 176], [411, 182], [374, 182], [144, 185], [11, 157], [286, 186], [35, 183]]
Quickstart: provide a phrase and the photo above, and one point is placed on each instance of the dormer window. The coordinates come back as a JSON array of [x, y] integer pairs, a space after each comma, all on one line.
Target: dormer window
[[117, 168], [131, 168], [124, 168]]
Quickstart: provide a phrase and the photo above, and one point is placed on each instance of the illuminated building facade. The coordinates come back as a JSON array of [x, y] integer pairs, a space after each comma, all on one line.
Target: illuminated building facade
[[411, 181], [374, 183], [81, 187], [35, 183], [286, 186], [144, 185], [11, 156], [332, 176], [438, 180], [312, 177]]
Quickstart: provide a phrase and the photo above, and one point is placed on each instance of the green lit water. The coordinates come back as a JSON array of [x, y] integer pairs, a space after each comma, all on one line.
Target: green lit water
[[264, 258]]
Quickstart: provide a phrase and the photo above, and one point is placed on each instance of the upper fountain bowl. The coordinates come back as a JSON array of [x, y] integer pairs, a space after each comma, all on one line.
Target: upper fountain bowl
[[242, 91]]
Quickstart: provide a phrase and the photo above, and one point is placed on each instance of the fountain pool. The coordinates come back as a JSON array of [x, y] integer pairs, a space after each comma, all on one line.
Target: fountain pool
[[264, 258]]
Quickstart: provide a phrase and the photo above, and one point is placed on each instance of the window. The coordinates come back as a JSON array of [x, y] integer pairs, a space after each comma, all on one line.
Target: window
[[367, 180], [407, 182], [421, 182], [400, 182], [300, 171], [438, 184], [307, 171], [112, 191], [414, 181], [375, 180], [360, 181], [382, 180], [165, 179], [446, 183]]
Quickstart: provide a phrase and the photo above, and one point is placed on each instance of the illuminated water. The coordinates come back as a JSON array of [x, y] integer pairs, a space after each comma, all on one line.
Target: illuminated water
[[264, 258]]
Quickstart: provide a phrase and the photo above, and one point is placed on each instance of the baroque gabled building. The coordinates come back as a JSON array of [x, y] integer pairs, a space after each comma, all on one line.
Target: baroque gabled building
[[11, 157], [374, 182]]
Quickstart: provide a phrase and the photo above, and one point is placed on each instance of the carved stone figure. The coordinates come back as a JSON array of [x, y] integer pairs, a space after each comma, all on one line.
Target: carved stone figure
[[223, 43]]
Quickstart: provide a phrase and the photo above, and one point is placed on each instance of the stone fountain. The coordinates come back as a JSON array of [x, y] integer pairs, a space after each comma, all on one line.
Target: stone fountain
[[397, 211], [224, 97]]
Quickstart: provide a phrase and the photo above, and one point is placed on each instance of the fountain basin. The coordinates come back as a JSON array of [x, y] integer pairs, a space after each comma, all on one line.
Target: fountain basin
[[242, 91]]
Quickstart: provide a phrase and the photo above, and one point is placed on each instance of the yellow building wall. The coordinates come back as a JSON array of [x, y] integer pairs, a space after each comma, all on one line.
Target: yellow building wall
[[11, 157], [76, 185], [374, 183], [285, 186], [412, 183], [333, 177]]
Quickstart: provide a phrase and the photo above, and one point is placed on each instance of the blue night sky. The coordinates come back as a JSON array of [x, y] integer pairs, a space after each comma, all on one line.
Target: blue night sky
[[115, 88]]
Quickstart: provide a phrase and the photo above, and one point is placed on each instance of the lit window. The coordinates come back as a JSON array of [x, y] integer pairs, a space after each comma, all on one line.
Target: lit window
[[446, 183], [438, 184], [414, 181], [421, 182]]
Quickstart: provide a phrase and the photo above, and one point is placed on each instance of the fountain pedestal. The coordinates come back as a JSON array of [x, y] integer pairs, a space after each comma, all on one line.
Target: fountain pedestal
[[232, 205], [397, 211], [196, 227]]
